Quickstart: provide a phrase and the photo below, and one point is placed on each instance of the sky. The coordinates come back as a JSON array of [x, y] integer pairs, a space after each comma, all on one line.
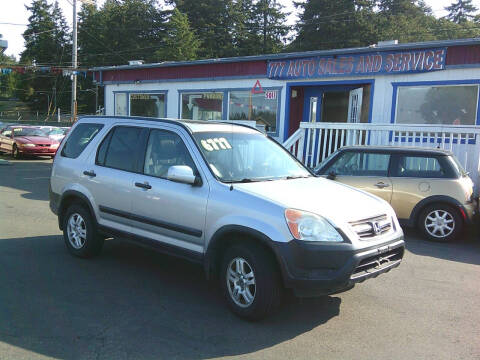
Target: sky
[[14, 12]]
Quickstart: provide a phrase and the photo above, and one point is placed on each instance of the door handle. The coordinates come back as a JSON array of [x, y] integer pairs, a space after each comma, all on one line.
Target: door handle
[[90, 173], [381, 185], [144, 185]]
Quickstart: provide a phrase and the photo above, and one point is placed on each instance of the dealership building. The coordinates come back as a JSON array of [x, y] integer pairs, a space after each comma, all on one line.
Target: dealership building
[[432, 84]]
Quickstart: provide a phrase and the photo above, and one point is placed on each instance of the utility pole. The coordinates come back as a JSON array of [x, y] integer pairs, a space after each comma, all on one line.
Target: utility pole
[[74, 63]]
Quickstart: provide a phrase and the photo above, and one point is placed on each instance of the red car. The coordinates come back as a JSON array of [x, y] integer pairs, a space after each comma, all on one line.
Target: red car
[[27, 140]]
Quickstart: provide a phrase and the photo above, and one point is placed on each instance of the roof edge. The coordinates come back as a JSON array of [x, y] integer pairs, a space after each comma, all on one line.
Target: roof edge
[[415, 45]]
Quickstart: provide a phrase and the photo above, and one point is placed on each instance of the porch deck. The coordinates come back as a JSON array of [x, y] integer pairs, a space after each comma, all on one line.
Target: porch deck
[[313, 142]]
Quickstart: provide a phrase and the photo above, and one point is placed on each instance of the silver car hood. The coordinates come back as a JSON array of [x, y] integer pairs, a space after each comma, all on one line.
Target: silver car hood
[[334, 201]]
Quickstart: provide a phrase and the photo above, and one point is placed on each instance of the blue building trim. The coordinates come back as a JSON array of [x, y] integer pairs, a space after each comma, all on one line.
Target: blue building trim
[[226, 104], [332, 83]]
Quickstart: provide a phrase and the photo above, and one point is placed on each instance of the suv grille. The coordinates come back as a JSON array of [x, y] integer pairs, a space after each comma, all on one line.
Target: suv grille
[[376, 263], [371, 227]]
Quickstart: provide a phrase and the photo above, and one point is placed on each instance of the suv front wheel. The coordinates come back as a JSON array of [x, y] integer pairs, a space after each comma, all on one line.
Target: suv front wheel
[[79, 232], [250, 281], [440, 222]]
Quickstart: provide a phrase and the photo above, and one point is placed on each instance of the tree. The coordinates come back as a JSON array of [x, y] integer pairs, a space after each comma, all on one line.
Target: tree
[[324, 24], [181, 43], [211, 20], [461, 11], [121, 30], [272, 19], [8, 82], [47, 45]]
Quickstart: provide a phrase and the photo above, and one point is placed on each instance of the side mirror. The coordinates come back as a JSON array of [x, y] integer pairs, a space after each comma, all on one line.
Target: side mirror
[[183, 174], [331, 175]]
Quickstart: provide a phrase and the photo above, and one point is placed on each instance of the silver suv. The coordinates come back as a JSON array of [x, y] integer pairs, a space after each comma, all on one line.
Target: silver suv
[[225, 196]]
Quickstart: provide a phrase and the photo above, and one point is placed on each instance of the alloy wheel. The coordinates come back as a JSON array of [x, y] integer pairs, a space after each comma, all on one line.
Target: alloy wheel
[[439, 223], [77, 231], [241, 282]]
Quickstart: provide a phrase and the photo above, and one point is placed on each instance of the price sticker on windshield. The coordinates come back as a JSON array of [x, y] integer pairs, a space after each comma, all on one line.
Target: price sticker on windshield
[[215, 144]]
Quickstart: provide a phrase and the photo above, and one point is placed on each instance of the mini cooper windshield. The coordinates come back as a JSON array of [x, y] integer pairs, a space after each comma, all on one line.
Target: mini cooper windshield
[[242, 157]]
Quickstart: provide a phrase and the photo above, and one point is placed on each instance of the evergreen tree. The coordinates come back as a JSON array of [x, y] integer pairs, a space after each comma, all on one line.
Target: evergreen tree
[[272, 27], [212, 21], [181, 42], [46, 46], [324, 24], [121, 30], [461, 11], [246, 39]]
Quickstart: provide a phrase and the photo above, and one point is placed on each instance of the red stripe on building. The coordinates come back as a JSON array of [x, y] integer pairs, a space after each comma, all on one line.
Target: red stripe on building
[[213, 70], [463, 55]]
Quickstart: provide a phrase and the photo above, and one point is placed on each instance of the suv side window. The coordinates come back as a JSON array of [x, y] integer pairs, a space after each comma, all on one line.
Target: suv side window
[[360, 164], [165, 149], [419, 167], [120, 149], [78, 140]]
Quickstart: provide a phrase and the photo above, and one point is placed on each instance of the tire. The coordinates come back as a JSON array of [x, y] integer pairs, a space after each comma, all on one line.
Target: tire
[[449, 225], [263, 297], [15, 153], [81, 237]]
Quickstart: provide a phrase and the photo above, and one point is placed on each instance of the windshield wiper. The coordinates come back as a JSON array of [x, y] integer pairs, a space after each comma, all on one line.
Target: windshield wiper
[[290, 177]]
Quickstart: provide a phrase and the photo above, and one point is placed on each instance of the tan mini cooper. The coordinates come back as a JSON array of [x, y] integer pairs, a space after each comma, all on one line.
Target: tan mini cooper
[[427, 188]]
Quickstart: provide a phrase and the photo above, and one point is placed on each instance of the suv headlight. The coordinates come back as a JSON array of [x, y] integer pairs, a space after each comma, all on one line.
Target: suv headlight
[[310, 227]]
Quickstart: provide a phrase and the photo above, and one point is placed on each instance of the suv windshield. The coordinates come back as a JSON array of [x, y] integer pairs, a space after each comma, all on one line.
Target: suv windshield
[[243, 157], [28, 132]]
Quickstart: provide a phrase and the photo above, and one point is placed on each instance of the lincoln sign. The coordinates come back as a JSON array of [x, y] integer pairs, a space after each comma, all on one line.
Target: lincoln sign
[[357, 65]]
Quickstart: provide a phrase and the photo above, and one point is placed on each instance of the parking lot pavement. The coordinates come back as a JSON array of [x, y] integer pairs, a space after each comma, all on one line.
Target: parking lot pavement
[[133, 303]]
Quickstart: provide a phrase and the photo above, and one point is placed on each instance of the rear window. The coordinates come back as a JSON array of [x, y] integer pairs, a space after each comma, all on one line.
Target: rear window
[[422, 167], [120, 149], [78, 140]]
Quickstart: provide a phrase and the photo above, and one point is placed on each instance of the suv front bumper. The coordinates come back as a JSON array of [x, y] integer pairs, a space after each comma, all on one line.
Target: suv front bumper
[[315, 269]]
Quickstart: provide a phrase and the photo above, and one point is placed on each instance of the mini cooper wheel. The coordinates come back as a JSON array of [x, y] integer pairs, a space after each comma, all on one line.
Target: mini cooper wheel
[[79, 232], [250, 281], [440, 223]]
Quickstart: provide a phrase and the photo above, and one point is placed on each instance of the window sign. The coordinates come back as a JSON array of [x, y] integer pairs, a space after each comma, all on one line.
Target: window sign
[[150, 105], [202, 106], [260, 107], [121, 107], [444, 105]]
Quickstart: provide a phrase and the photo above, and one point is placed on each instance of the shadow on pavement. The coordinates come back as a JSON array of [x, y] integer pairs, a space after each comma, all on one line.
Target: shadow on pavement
[[466, 249], [129, 303], [29, 175]]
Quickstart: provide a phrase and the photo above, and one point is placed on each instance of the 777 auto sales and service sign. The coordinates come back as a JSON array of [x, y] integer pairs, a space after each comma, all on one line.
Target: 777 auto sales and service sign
[[397, 62]]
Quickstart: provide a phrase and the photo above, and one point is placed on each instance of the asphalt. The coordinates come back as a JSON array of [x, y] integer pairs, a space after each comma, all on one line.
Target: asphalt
[[131, 303]]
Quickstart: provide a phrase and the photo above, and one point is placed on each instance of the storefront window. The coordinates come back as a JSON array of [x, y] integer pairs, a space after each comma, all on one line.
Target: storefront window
[[150, 105], [121, 104], [202, 106], [262, 108], [446, 105]]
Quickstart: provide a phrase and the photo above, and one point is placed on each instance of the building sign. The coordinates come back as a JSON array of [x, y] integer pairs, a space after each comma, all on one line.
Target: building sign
[[359, 64]]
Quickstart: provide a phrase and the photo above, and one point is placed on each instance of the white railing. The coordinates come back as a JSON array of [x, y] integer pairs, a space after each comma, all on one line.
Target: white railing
[[313, 142]]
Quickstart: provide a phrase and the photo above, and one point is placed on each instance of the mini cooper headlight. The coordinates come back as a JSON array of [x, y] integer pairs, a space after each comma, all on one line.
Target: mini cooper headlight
[[310, 227]]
